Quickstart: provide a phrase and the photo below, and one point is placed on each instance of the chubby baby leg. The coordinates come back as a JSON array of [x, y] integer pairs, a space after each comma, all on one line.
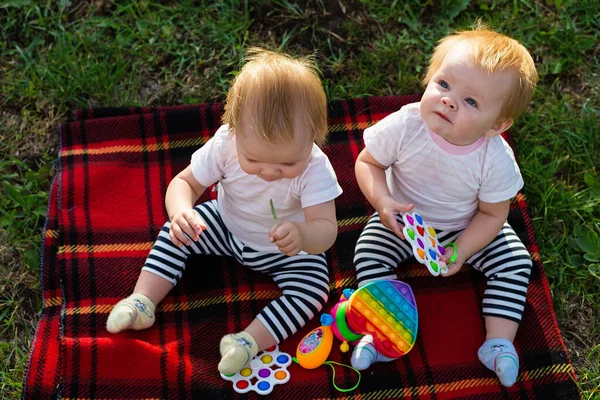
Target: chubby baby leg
[[280, 319], [503, 305], [507, 266], [304, 281], [377, 254], [498, 353], [163, 269]]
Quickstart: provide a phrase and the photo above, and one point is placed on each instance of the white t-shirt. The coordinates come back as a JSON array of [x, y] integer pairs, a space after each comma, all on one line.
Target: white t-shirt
[[243, 199], [443, 181]]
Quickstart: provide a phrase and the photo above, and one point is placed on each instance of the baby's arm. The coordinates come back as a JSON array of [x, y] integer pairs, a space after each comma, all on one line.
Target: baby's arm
[[483, 228], [320, 229], [370, 175], [182, 193]]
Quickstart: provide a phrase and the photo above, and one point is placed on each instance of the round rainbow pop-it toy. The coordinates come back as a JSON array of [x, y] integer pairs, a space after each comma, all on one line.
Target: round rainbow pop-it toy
[[425, 244], [388, 311], [267, 369]]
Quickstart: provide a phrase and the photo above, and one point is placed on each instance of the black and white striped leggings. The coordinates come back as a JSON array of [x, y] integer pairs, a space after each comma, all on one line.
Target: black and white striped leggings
[[303, 278], [505, 262]]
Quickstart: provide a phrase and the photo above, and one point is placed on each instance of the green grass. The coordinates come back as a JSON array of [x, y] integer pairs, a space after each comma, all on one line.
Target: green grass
[[59, 56]]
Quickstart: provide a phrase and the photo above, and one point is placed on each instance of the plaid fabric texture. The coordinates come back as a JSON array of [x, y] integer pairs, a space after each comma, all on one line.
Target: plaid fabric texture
[[106, 208]]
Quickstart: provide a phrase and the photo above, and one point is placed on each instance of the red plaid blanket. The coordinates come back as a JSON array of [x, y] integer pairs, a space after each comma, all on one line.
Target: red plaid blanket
[[106, 207]]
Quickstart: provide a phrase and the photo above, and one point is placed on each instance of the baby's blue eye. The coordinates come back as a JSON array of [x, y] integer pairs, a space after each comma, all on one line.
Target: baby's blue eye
[[444, 84], [471, 102]]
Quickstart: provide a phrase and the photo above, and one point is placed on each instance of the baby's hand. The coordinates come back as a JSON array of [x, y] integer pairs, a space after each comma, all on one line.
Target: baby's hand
[[186, 222], [388, 209], [287, 237], [456, 265]]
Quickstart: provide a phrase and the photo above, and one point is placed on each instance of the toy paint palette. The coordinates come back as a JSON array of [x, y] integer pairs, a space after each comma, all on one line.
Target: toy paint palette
[[267, 369], [426, 247], [388, 311]]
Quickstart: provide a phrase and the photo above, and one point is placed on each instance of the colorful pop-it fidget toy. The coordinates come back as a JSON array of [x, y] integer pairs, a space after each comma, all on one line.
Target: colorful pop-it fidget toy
[[267, 369], [426, 247], [388, 311]]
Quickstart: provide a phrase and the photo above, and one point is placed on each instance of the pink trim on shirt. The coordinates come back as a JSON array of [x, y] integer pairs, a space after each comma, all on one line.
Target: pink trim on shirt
[[452, 148]]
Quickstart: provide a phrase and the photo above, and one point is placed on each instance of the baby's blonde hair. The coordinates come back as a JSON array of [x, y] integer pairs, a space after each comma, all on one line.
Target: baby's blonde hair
[[493, 52], [273, 88]]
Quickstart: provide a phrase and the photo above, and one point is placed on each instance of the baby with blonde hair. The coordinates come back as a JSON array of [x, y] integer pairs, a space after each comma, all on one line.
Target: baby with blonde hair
[[275, 115], [444, 157]]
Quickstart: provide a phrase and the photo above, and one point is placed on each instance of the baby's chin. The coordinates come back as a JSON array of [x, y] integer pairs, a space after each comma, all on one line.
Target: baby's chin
[[269, 179], [436, 131]]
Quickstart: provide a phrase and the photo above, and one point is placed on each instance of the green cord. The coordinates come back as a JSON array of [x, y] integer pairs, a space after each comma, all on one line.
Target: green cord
[[333, 378]]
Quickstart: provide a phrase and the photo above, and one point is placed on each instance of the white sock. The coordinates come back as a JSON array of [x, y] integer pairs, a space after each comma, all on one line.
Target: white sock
[[135, 312], [237, 350], [365, 354], [500, 356]]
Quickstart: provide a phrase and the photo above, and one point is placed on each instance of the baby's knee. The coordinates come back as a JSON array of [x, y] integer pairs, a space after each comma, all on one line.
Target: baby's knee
[[319, 299], [357, 259], [523, 259], [516, 269], [525, 267], [323, 300], [165, 232]]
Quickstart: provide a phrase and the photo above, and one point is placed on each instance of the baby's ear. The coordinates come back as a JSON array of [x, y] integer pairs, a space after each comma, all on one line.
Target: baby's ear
[[500, 126]]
